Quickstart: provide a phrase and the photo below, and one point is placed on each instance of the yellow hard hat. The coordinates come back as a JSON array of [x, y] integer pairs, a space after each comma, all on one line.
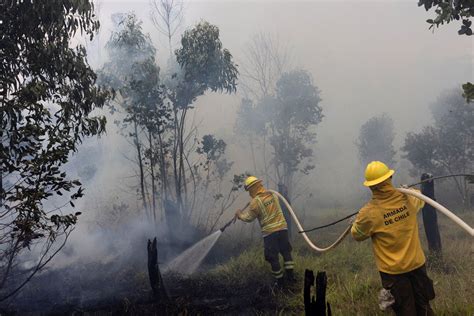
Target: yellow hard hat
[[377, 172], [251, 180]]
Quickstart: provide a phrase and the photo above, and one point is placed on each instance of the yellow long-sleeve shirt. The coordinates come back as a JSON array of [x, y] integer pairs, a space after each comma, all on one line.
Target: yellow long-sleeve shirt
[[389, 219], [266, 208]]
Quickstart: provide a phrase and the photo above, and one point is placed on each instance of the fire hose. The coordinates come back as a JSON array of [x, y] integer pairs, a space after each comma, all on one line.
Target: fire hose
[[416, 194], [470, 178], [303, 233], [440, 208]]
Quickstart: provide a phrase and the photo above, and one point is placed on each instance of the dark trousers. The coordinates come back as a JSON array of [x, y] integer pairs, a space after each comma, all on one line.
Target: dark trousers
[[412, 292], [274, 244]]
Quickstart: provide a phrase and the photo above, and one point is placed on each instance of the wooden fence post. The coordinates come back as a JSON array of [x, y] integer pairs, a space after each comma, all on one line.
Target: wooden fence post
[[430, 218]]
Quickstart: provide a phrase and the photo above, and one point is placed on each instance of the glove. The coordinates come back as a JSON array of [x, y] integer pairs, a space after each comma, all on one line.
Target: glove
[[352, 219]]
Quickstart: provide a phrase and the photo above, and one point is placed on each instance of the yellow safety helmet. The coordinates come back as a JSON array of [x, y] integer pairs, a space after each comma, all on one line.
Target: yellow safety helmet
[[377, 172], [250, 181]]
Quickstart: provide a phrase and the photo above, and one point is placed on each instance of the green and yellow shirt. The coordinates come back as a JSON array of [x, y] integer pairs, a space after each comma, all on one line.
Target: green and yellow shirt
[[266, 208]]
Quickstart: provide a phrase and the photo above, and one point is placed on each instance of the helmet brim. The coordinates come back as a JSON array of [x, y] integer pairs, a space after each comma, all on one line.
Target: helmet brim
[[252, 184], [379, 180]]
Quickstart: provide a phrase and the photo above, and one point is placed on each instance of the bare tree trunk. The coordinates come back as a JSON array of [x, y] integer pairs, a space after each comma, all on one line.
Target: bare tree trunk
[[152, 171], [252, 151], [163, 171], [177, 184], [181, 163], [140, 166]]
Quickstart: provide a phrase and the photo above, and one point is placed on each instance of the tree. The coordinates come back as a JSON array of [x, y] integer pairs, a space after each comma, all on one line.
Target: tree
[[375, 140], [290, 119], [156, 109], [448, 145], [250, 123], [265, 61], [133, 73], [468, 91], [215, 169], [48, 94], [448, 11], [167, 17], [204, 66]]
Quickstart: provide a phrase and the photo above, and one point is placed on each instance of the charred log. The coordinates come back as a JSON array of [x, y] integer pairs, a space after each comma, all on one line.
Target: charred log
[[315, 306], [156, 280]]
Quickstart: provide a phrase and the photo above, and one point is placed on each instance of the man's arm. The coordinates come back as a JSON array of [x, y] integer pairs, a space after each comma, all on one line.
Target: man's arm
[[416, 202], [248, 215], [362, 226]]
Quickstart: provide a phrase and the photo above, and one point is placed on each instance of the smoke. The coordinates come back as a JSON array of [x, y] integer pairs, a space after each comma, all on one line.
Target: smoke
[[367, 58]]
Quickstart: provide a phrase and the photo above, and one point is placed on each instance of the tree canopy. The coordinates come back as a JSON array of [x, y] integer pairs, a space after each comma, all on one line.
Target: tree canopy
[[448, 145], [375, 141], [448, 11], [48, 95]]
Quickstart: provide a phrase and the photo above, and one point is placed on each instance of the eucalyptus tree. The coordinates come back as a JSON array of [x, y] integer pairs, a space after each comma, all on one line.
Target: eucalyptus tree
[[48, 94]]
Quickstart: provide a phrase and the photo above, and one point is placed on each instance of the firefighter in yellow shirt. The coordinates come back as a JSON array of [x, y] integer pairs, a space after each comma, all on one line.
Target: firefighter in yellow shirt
[[265, 207], [389, 219]]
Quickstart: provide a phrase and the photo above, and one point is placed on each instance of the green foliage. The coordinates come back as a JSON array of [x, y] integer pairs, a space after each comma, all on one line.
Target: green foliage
[[468, 91], [48, 95], [448, 11], [448, 145], [130, 51], [250, 121], [287, 120], [202, 57], [291, 116], [213, 148], [156, 107], [375, 140], [206, 65]]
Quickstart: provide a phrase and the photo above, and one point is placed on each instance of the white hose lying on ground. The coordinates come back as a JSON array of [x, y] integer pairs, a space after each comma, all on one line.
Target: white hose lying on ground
[[298, 224], [417, 194], [440, 208]]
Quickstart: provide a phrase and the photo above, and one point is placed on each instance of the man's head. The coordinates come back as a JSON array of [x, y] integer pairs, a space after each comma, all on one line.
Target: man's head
[[377, 173], [253, 185]]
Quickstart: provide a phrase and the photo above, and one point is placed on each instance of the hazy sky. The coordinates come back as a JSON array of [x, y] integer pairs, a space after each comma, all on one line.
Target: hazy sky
[[366, 57]]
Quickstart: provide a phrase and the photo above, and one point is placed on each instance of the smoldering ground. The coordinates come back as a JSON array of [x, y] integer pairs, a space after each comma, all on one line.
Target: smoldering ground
[[99, 268]]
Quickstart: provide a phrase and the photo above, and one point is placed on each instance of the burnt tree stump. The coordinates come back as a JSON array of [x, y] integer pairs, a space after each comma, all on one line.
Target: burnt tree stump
[[318, 306], [156, 281], [430, 218]]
